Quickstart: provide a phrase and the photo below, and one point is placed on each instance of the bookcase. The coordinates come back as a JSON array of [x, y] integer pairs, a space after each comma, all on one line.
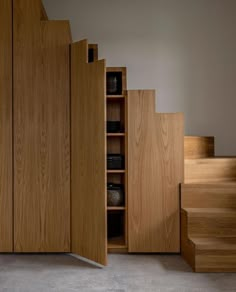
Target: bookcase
[[116, 111]]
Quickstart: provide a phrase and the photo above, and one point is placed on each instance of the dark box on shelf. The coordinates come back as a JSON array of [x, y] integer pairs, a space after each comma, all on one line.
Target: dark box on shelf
[[114, 127], [115, 161]]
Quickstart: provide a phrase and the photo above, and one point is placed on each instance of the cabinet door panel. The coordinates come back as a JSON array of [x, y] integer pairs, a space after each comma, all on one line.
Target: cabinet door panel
[[6, 228], [41, 131], [155, 170], [88, 115]]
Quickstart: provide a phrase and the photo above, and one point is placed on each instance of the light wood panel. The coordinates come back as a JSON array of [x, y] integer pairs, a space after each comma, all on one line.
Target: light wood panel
[[211, 222], [155, 170], [221, 195], [210, 170], [41, 131], [198, 147], [88, 134], [6, 228], [187, 246]]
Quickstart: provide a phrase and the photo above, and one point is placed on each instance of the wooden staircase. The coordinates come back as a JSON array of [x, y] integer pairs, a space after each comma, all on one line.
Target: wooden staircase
[[208, 208]]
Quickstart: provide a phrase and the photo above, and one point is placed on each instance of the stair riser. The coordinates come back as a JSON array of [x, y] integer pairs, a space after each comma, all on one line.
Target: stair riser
[[208, 196], [213, 226], [198, 147], [210, 170], [215, 263]]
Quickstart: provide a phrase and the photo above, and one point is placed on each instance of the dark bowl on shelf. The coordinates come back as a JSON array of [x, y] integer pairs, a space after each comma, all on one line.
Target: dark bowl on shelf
[[115, 195]]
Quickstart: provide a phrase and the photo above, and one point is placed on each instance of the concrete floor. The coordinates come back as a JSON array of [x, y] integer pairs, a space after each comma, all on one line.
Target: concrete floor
[[139, 273]]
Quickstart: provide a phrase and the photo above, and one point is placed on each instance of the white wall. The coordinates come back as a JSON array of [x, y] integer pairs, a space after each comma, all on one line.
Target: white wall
[[186, 49]]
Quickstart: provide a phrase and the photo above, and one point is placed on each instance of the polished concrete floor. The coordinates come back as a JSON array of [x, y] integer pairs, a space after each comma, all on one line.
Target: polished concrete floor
[[139, 273]]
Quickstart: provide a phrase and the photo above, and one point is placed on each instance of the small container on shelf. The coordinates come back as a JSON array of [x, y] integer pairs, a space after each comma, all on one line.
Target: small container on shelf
[[115, 161], [115, 194], [114, 127], [114, 83]]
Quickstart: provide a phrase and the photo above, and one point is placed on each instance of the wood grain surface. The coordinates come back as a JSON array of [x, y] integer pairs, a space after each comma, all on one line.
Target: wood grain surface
[[6, 222], [221, 195], [41, 131], [88, 150], [211, 222], [155, 170], [198, 147], [210, 170]]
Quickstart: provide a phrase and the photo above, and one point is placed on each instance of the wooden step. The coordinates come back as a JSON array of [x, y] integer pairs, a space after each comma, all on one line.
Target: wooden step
[[214, 222], [198, 147], [211, 195], [210, 170], [214, 254]]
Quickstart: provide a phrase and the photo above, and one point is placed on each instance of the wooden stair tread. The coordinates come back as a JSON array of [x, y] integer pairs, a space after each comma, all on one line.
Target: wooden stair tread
[[211, 159], [214, 243], [210, 211], [225, 184]]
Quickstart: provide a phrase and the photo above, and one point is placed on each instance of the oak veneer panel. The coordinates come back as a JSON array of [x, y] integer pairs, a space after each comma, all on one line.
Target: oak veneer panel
[[41, 131], [210, 170], [198, 147], [187, 246], [221, 195], [6, 228], [88, 136], [211, 222], [155, 170]]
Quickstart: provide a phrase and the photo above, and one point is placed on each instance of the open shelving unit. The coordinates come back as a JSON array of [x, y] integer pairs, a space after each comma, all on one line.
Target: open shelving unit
[[117, 144]]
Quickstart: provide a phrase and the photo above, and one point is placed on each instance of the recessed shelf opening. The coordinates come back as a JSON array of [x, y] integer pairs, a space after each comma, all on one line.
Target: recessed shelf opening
[[114, 83], [116, 228]]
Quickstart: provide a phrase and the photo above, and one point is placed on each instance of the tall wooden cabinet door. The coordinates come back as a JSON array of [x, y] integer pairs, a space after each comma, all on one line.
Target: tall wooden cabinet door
[[88, 156], [155, 170], [6, 227], [41, 130]]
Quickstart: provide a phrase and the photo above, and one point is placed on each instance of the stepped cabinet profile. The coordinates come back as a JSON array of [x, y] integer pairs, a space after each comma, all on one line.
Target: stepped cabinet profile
[[150, 170], [87, 166]]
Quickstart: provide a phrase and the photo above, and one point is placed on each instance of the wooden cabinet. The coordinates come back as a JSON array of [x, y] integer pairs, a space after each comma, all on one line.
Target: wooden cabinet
[[152, 144], [55, 104], [34, 129]]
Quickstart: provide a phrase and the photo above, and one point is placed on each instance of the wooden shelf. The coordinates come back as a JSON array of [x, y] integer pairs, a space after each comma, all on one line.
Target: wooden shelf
[[115, 134], [117, 242], [115, 171], [118, 208]]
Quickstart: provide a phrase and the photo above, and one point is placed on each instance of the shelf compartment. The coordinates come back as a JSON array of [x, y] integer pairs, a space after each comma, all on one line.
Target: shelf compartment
[[116, 178], [117, 243], [116, 228], [116, 144], [116, 81], [92, 53], [116, 112]]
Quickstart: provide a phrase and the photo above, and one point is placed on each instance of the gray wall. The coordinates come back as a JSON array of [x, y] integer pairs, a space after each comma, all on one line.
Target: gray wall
[[186, 49]]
